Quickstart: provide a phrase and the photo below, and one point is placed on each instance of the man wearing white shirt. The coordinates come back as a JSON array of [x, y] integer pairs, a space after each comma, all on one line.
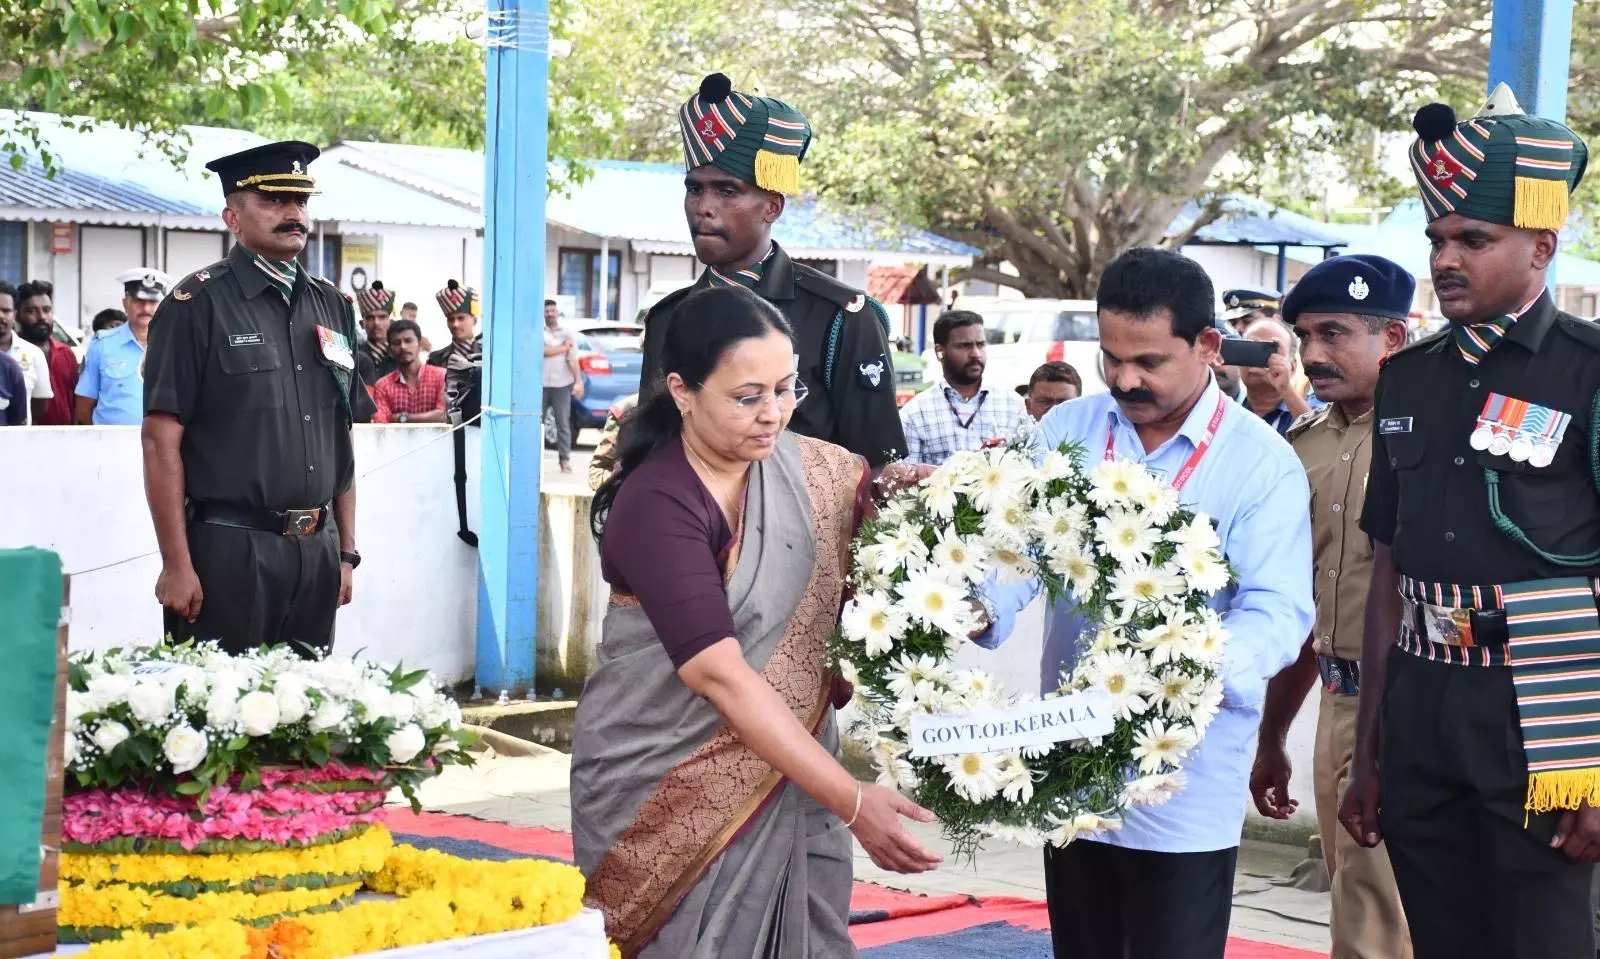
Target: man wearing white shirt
[[1161, 887], [35, 370]]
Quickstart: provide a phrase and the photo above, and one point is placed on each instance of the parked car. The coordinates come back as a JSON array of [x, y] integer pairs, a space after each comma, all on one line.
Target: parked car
[[611, 360], [1022, 335], [72, 339]]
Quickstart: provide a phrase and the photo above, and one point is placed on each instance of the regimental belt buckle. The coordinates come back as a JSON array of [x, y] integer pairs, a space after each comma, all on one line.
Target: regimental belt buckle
[[1448, 625], [301, 522]]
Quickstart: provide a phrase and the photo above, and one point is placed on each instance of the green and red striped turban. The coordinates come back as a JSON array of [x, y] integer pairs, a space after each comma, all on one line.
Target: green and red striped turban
[[455, 298], [1502, 166], [757, 139], [375, 299]]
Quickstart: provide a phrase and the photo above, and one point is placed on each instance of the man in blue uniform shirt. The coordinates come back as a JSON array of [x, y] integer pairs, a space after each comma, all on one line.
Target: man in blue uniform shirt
[[1161, 887], [111, 390]]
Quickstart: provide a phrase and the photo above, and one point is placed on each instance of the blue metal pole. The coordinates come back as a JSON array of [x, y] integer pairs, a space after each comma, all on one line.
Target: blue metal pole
[[513, 354], [1530, 49]]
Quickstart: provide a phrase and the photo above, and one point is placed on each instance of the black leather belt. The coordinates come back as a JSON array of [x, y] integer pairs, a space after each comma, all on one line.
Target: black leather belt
[[1454, 626], [1340, 677], [291, 522]]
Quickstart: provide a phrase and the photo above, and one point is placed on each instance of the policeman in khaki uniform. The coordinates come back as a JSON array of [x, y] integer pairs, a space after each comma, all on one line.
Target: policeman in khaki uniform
[[250, 389], [743, 155], [1350, 314], [1477, 760]]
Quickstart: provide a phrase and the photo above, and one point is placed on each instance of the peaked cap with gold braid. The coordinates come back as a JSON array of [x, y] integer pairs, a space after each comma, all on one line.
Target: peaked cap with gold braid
[[1502, 166], [757, 139]]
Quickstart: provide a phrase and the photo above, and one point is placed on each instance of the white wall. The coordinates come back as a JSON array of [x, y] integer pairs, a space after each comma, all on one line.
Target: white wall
[[415, 593], [61, 270], [853, 273], [416, 262], [191, 250]]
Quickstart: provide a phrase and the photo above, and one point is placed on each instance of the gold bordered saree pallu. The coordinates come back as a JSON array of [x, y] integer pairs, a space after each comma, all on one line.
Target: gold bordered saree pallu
[[693, 845]]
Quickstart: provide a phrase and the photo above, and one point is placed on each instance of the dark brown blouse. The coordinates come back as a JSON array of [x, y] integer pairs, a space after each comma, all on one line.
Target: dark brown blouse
[[667, 543]]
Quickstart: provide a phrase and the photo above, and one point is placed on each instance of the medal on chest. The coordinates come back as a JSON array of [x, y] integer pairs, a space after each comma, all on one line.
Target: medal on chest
[[335, 348], [1526, 432]]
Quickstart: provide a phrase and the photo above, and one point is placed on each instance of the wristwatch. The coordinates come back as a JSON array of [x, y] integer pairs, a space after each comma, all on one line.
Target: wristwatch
[[352, 557], [402, 417]]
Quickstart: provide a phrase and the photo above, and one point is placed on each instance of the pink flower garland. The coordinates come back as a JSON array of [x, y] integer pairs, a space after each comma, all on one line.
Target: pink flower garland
[[275, 813]]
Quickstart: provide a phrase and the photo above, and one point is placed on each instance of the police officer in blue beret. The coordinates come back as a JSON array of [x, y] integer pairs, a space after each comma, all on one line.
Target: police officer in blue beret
[[1349, 314]]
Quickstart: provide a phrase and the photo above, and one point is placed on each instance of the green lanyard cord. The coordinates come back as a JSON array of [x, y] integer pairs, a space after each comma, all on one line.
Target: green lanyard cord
[[1503, 523]]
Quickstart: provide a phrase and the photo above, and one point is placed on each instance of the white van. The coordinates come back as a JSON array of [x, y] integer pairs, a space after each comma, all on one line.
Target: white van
[[1024, 334]]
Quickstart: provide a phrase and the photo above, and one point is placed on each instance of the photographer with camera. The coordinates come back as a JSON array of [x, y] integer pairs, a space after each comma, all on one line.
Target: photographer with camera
[[1275, 388]]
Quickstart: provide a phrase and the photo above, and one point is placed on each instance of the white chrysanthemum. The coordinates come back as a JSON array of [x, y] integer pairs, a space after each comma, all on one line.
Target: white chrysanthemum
[[1160, 744], [1138, 584], [1020, 835], [901, 546], [1115, 482], [916, 677], [1203, 568], [1125, 677], [1152, 790], [940, 492], [1084, 824], [894, 772], [1169, 641], [1011, 564], [957, 559], [998, 479], [873, 621], [929, 599], [1179, 692], [1127, 535], [975, 777], [1057, 465], [1077, 568], [1197, 532]]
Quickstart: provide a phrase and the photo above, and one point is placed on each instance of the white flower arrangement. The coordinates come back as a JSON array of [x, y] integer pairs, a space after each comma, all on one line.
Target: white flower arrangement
[[1112, 539], [193, 717]]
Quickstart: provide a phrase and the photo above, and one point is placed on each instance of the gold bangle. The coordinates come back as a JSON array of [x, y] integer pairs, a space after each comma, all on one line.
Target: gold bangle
[[857, 814]]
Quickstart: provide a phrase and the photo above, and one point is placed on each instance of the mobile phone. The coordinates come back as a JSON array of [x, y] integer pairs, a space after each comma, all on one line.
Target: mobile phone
[[1252, 353]]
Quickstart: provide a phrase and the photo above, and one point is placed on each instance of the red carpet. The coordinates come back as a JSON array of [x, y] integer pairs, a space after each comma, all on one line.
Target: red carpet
[[886, 923]]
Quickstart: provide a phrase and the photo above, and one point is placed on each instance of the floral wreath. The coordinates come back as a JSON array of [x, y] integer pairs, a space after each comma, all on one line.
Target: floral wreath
[[1141, 571]]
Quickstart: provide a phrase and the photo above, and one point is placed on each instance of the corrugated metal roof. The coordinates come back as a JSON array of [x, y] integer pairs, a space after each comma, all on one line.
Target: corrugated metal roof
[[109, 169], [1246, 220]]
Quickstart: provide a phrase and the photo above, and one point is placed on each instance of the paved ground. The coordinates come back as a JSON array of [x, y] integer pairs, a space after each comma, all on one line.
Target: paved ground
[[532, 791], [555, 481]]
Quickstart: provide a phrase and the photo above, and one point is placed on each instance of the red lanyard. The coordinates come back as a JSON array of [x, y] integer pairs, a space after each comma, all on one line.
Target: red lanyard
[[956, 414], [1193, 462]]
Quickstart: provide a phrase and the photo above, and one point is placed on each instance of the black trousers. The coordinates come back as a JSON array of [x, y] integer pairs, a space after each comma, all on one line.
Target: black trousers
[[262, 588], [1107, 902], [1476, 874]]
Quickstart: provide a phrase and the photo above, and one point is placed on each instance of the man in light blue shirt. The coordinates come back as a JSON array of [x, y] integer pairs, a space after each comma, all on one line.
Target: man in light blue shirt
[[111, 390], [1161, 887]]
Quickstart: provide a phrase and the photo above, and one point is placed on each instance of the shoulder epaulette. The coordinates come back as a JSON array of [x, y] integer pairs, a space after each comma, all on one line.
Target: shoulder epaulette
[[816, 282], [1584, 331], [186, 288], [1307, 420], [1419, 345]]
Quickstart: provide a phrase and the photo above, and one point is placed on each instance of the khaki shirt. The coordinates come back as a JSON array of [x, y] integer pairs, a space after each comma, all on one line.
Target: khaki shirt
[[1336, 454]]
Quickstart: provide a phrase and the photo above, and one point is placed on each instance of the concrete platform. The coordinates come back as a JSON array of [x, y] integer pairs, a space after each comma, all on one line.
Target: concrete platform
[[532, 791]]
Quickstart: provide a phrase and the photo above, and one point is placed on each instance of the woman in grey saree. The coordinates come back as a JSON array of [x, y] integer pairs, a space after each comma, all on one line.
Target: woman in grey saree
[[709, 810]]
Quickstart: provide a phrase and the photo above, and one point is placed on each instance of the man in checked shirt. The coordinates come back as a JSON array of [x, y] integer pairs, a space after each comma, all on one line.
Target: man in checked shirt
[[414, 392], [957, 413]]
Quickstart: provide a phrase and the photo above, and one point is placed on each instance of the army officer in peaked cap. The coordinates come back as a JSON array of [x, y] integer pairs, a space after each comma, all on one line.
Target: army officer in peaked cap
[[250, 392], [743, 154], [1477, 759]]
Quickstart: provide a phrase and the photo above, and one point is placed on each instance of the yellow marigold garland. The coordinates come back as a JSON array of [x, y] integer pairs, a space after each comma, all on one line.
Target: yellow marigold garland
[[442, 897], [360, 855], [128, 907]]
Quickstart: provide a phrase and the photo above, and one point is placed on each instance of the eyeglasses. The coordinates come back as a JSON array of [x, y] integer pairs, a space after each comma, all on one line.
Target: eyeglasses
[[787, 397]]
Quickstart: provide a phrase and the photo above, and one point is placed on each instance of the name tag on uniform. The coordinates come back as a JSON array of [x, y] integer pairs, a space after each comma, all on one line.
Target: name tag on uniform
[[335, 348], [1394, 424], [245, 339]]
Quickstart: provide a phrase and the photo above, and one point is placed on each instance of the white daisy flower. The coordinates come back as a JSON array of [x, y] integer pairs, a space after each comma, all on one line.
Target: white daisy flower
[[916, 677], [895, 512], [1077, 568], [1115, 482], [1127, 535], [1125, 677], [998, 479], [929, 599], [1139, 584], [1179, 692], [1008, 521], [1152, 790], [1197, 532], [1169, 641], [1020, 835], [974, 777], [848, 672], [940, 492], [956, 559], [1159, 745], [1158, 501], [1206, 704], [1203, 568], [1011, 564], [1057, 465], [1108, 639], [873, 621], [1212, 640], [1016, 779], [901, 546], [1083, 824], [975, 684], [894, 772]]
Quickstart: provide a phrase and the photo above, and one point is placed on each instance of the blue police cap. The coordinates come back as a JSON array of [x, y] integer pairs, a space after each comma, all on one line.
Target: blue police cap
[[1361, 284]]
